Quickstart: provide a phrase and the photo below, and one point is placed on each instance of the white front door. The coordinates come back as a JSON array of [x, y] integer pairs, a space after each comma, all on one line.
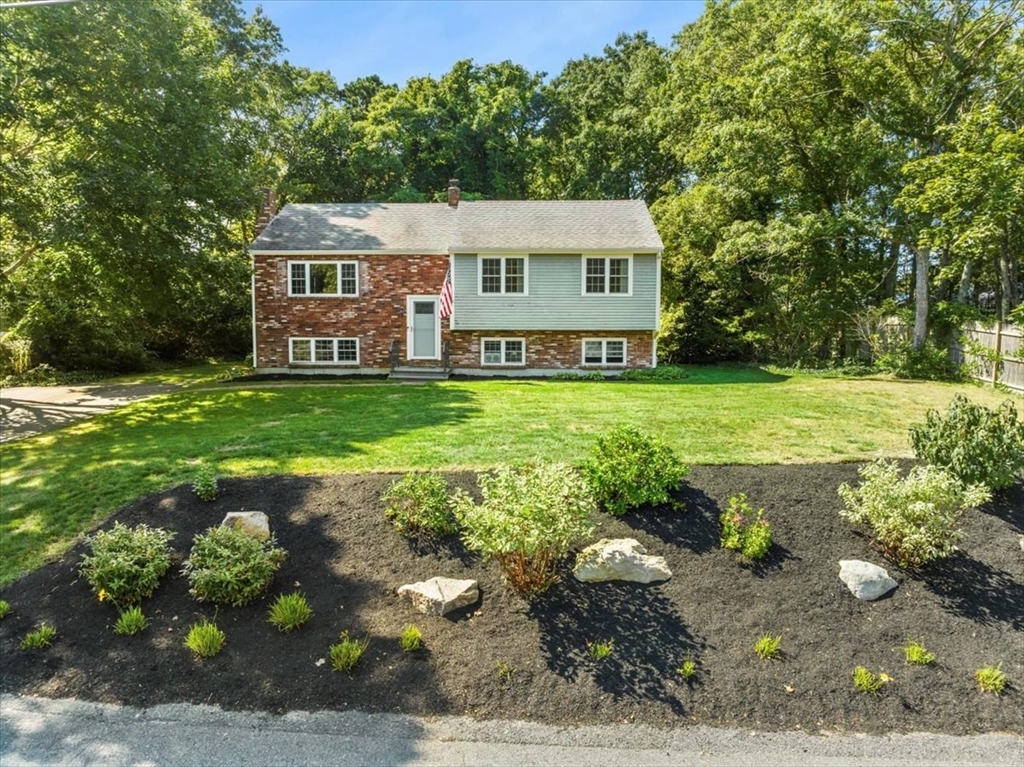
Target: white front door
[[424, 328]]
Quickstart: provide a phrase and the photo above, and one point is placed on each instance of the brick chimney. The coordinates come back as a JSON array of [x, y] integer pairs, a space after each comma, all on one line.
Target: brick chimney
[[453, 193], [267, 211]]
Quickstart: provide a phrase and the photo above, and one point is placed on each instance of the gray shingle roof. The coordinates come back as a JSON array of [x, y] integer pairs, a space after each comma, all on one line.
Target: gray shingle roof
[[434, 228]]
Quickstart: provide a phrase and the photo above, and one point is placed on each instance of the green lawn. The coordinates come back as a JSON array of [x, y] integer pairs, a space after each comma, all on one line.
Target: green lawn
[[57, 485]]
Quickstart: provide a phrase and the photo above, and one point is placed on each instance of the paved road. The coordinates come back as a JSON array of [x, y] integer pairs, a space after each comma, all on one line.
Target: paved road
[[35, 731], [29, 410]]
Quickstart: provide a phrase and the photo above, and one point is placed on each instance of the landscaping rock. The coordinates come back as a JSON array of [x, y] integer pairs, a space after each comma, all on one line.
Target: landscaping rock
[[865, 580], [439, 596], [255, 524], [619, 559]]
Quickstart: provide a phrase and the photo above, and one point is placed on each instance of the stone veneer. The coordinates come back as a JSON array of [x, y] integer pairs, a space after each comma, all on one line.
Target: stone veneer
[[378, 316]]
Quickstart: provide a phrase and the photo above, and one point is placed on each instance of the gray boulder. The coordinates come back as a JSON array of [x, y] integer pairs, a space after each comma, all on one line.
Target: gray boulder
[[255, 524], [865, 580], [619, 559], [439, 596]]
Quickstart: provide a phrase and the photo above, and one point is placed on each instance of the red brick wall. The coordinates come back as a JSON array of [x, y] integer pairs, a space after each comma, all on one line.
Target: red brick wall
[[376, 317], [551, 349]]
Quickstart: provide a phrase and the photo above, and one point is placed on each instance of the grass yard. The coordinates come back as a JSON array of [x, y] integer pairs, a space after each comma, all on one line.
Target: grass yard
[[57, 485]]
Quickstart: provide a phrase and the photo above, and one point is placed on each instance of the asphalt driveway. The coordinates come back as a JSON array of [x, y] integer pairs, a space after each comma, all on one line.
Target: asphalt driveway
[[29, 410]]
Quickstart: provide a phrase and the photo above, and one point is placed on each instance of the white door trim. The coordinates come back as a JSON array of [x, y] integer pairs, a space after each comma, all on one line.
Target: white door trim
[[410, 318]]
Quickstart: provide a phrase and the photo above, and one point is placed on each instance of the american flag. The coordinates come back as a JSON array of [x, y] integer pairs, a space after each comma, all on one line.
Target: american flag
[[446, 296]]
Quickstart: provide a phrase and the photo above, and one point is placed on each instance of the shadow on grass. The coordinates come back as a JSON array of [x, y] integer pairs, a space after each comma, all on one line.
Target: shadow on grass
[[650, 638], [974, 590]]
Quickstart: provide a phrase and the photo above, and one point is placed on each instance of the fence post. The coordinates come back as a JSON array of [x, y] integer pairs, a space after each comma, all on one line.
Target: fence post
[[998, 354]]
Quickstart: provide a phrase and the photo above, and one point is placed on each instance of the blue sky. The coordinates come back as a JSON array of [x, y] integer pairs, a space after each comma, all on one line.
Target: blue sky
[[412, 38]]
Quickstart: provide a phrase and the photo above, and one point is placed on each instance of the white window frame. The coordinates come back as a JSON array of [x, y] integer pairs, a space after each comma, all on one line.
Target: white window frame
[[504, 353], [604, 352], [503, 258], [312, 351], [337, 265], [607, 275]]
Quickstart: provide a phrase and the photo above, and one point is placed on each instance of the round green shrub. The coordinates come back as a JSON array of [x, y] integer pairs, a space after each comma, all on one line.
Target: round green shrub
[[418, 504], [125, 564], [227, 566], [629, 468]]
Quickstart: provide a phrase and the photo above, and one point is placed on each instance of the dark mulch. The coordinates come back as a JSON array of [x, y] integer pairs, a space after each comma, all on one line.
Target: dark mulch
[[968, 610]]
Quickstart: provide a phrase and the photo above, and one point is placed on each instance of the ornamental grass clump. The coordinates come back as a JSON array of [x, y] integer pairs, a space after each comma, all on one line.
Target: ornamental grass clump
[[628, 468], [768, 647], [917, 655], [745, 530], [411, 639], [40, 638], [972, 442], [227, 566], [865, 681], [990, 679], [125, 564], [289, 611], [131, 621], [913, 520], [528, 519], [5, 607], [345, 654], [204, 639], [418, 504]]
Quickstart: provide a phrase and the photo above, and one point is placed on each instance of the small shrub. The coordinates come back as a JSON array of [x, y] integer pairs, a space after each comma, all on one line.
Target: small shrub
[[5, 608], [347, 652], [975, 444], [917, 655], [411, 639], [204, 639], [930, 363], [40, 638], [628, 468], [289, 611], [572, 375], [506, 671], [126, 563], [687, 669], [660, 373], [527, 521], [745, 530], [990, 679], [599, 651], [767, 647], [913, 520], [205, 483], [419, 504], [131, 621], [227, 566], [865, 681]]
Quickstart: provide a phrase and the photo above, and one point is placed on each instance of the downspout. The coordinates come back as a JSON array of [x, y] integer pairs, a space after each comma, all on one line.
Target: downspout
[[657, 314], [254, 358]]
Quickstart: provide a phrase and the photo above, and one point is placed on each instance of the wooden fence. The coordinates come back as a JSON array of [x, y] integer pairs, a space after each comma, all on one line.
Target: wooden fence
[[993, 353]]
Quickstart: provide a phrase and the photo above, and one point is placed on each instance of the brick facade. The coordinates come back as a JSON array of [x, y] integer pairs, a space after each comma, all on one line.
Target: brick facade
[[377, 316]]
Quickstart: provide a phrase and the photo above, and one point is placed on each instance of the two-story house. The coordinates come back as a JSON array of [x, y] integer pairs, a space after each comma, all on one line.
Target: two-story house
[[510, 287]]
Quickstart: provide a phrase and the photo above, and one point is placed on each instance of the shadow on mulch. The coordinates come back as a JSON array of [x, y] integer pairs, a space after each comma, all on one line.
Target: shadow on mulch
[[977, 591]]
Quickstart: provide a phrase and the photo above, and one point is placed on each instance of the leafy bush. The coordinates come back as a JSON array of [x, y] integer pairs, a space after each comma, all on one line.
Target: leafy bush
[[865, 681], [131, 621], [40, 638], [411, 639], [419, 504], [913, 520], [660, 373], [126, 563], [745, 530], [930, 363], [527, 521], [917, 655], [628, 468], [990, 679], [290, 611], [767, 647], [346, 653], [5, 608], [229, 567], [205, 483], [205, 639], [972, 442], [572, 375]]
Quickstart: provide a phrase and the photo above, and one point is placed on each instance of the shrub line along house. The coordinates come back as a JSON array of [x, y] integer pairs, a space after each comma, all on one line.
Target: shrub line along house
[[489, 287]]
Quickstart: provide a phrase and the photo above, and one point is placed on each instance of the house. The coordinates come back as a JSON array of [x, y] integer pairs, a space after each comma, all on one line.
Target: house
[[536, 287]]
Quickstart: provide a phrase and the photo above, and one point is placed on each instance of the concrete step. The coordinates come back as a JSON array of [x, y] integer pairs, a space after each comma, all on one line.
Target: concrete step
[[406, 373]]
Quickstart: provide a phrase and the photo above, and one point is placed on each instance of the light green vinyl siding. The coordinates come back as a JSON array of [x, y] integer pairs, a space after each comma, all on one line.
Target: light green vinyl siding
[[555, 301]]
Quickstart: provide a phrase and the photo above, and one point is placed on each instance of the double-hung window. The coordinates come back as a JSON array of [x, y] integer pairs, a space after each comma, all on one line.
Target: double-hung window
[[324, 351], [323, 278], [502, 351], [503, 274], [606, 276], [604, 351]]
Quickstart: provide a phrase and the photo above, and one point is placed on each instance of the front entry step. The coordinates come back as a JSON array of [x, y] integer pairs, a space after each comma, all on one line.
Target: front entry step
[[418, 374]]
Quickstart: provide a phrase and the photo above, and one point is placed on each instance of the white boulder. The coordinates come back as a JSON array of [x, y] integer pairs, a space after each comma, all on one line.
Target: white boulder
[[439, 596], [255, 524], [619, 559], [865, 580]]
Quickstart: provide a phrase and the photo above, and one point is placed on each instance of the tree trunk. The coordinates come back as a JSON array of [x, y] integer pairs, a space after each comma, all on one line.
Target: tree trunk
[[920, 297], [1007, 281], [892, 268], [963, 293]]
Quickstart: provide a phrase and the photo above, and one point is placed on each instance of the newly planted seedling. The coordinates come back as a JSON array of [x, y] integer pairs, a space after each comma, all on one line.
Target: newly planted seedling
[[768, 647], [917, 655], [991, 679], [346, 653], [411, 639]]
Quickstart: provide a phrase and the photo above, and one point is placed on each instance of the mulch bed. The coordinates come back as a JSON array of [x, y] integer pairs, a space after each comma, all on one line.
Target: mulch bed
[[968, 610]]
